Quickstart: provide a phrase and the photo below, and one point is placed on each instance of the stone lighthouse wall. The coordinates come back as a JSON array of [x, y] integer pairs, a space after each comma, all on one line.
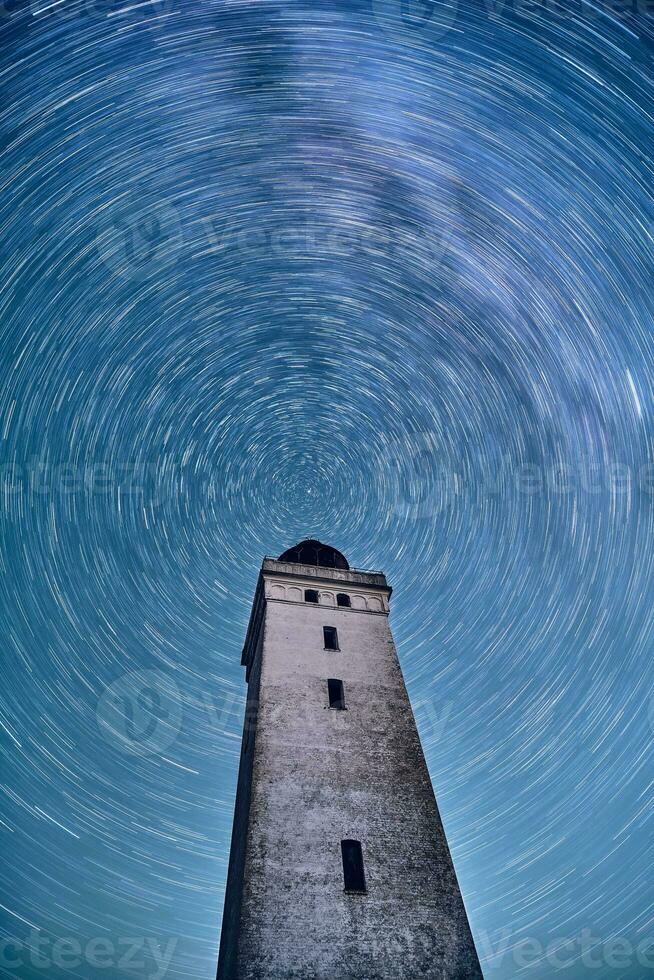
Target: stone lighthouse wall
[[312, 776]]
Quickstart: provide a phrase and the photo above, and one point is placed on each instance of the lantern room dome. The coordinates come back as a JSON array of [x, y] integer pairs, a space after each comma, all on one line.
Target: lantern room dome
[[312, 552]]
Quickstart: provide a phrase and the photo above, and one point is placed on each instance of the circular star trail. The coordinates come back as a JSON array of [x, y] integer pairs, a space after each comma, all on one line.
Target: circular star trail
[[374, 273]]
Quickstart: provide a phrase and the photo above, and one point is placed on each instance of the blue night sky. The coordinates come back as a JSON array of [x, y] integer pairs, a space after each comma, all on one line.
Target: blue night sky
[[374, 273]]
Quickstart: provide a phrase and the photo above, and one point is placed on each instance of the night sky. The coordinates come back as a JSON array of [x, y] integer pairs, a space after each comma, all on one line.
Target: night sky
[[377, 274]]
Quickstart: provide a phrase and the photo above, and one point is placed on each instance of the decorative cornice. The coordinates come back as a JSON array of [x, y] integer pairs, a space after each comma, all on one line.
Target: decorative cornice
[[333, 576]]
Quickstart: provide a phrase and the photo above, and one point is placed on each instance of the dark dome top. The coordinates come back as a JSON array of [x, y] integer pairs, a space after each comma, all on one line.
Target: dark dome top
[[315, 553]]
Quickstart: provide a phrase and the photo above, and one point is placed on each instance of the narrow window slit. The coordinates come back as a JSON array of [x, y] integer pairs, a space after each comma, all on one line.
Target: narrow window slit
[[336, 694], [353, 873], [331, 638]]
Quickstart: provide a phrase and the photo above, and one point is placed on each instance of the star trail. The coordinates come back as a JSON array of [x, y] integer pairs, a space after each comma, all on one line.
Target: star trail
[[377, 273]]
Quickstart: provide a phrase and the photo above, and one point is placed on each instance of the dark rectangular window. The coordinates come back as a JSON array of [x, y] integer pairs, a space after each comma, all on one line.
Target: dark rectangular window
[[353, 875], [336, 694], [331, 637], [310, 595]]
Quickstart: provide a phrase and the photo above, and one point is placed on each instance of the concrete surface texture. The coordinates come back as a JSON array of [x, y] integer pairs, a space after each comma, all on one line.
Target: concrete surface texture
[[312, 776]]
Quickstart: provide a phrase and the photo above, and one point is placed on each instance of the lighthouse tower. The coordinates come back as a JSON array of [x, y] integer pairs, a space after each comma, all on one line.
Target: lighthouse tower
[[339, 867]]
